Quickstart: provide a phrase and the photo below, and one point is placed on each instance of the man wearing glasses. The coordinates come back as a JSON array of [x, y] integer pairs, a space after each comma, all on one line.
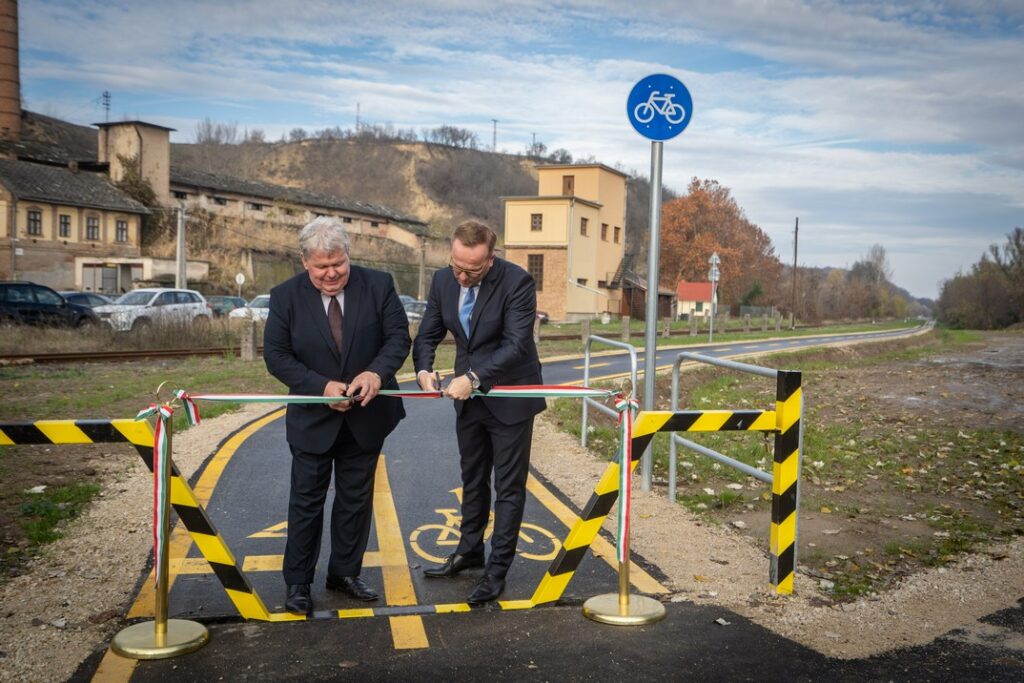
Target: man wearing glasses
[[489, 305]]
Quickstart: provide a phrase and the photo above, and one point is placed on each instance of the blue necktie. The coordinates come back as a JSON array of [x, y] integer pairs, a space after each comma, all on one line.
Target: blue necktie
[[466, 309]]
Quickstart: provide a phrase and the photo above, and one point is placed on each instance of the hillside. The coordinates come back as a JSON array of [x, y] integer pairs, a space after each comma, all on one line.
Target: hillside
[[440, 184]]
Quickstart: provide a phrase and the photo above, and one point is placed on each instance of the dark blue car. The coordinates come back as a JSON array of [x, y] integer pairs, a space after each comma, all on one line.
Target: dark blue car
[[27, 303]]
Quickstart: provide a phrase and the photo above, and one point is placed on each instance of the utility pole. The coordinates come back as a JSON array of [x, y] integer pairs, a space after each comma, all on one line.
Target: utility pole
[[494, 136], [357, 117], [105, 97], [180, 278], [796, 235]]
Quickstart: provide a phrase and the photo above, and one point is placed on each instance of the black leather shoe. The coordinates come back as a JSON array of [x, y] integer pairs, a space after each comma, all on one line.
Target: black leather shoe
[[298, 599], [352, 586], [454, 564], [489, 588]]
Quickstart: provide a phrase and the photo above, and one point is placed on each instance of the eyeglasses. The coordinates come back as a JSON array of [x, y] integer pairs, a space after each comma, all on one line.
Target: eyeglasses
[[470, 272]]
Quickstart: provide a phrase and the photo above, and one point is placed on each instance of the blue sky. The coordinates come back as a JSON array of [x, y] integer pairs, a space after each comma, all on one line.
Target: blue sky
[[894, 123]]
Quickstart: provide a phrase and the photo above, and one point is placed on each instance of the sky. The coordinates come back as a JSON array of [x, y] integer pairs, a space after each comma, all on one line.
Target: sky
[[891, 123]]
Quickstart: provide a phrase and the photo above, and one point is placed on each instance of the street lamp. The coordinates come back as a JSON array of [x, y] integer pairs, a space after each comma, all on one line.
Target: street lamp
[[713, 276]]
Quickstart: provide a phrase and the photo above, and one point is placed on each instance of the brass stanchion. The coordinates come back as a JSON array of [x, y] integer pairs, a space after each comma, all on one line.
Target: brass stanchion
[[622, 608], [163, 637]]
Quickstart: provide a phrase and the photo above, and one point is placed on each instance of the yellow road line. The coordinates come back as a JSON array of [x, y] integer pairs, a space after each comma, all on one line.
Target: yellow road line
[[593, 365], [643, 581], [407, 631], [114, 668]]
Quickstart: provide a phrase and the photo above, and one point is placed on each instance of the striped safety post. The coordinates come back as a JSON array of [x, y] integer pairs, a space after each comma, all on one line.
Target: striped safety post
[[785, 480]]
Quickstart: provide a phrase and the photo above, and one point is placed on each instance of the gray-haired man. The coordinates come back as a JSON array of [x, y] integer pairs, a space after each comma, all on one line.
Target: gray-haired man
[[336, 329]]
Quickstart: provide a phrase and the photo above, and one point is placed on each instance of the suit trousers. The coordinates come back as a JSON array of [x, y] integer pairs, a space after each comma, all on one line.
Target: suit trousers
[[485, 444], [354, 469]]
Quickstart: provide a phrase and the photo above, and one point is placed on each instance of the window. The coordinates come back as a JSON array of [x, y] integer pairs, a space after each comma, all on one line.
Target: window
[[35, 222], [602, 284], [374, 224], [618, 234], [535, 267], [583, 226], [255, 206], [92, 228], [536, 221], [47, 297], [581, 281], [220, 201], [165, 299], [604, 232], [568, 185], [180, 195], [121, 232], [65, 225], [346, 219], [699, 307]]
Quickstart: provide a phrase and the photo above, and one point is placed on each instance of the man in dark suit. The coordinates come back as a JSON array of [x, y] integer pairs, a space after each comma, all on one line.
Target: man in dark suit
[[489, 305], [334, 330]]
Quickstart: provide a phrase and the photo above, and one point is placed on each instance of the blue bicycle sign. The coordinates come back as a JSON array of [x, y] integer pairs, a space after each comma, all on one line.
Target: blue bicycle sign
[[659, 107]]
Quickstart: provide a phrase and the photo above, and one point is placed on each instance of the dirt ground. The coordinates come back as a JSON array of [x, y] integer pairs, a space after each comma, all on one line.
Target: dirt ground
[[73, 597]]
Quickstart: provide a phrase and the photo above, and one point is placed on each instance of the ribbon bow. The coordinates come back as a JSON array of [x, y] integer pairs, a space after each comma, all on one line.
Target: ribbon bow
[[191, 409]]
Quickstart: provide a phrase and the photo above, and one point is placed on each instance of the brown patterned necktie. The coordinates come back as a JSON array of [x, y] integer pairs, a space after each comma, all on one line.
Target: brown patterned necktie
[[335, 319]]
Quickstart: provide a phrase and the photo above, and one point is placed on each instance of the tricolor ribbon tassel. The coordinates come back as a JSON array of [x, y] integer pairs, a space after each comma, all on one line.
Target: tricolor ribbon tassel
[[160, 480], [627, 407]]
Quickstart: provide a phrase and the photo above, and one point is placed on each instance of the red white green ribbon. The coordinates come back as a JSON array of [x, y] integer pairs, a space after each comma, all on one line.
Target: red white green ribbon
[[161, 488], [517, 391], [627, 411]]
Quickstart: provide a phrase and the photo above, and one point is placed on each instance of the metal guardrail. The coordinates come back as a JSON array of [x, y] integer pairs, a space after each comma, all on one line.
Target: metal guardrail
[[675, 440], [589, 402]]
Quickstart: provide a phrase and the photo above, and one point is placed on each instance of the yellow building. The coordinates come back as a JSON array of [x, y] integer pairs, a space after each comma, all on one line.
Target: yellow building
[[571, 238]]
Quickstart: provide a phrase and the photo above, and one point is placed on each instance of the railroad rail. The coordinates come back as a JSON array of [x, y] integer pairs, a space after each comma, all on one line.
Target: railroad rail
[[114, 356]]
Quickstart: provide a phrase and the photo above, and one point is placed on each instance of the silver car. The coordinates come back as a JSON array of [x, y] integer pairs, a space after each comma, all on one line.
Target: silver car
[[155, 306], [257, 309]]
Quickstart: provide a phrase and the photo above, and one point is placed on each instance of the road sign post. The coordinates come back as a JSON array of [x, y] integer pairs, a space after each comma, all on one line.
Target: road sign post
[[659, 107], [240, 280]]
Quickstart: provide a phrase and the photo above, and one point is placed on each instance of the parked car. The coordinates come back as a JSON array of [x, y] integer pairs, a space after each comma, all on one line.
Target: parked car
[[543, 317], [154, 306], [406, 299], [257, 309], [222, 305], [414, 310], [31, 304], [89, 299]]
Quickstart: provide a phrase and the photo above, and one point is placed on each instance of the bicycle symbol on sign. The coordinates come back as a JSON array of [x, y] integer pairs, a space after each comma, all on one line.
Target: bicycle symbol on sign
[[435, 542], [661, 104]]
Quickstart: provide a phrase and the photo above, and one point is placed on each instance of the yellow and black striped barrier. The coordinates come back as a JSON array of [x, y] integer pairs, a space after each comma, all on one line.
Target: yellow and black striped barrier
[[785, 480], [784, 421], [140, 435]]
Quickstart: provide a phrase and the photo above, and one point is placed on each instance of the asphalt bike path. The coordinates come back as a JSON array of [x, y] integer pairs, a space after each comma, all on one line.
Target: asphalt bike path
[[422, 628]]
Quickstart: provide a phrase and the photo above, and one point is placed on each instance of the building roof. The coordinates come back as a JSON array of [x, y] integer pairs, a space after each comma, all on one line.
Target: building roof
[[693, 291], [59, 185], [187, 177], [111, 124], [542, 167]]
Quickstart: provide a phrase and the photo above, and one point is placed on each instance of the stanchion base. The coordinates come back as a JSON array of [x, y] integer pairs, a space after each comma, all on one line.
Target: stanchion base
[[605, 609], [140, 640]]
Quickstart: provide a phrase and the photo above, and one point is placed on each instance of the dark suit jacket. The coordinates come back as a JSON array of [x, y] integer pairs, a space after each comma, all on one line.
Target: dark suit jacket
[[299, 350], [500, 347]]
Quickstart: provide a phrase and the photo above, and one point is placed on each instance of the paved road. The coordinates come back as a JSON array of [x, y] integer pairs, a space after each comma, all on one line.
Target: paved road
[[416, 512]]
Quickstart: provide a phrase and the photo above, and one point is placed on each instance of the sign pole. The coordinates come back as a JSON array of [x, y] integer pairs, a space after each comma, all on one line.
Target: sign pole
[[651, 339]]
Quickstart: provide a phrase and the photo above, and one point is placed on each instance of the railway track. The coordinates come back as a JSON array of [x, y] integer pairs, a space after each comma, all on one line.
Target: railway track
[[114, 356]]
